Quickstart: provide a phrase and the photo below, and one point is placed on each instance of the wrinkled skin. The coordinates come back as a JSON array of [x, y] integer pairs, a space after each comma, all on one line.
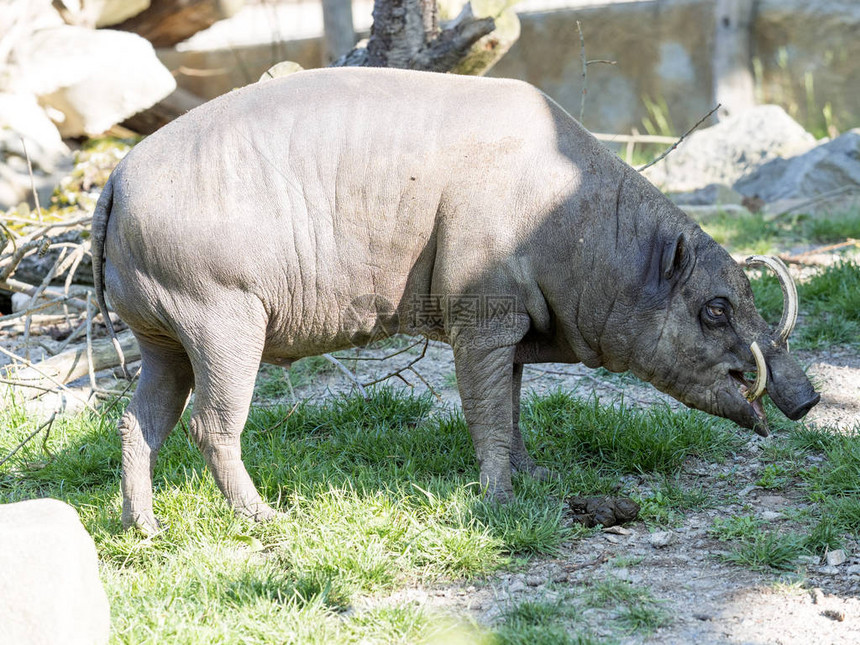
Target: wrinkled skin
[[307, 214]]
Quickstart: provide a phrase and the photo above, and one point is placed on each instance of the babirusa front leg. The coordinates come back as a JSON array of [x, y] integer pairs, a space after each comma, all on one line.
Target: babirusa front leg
[[484, 377]]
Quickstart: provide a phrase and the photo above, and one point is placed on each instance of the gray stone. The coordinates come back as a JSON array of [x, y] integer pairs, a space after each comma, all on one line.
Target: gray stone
[[50, 590], [724, 153], [661, 539], [836, 557], [535, 580], [829, 167]]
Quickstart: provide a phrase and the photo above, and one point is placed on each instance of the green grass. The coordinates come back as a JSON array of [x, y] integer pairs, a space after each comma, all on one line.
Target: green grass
[[735, 527], [379, 493], [832, 513], [635, 609], [764, 551], [755, 233], [619, 439], [541, 622], [668, 499]]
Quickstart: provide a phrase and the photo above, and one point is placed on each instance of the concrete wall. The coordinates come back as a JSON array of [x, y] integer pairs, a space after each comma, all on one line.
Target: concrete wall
[[663, 52]]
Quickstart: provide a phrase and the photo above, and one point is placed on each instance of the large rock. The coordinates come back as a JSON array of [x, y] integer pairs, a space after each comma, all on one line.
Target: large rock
[[50, 590], [829, 167], [21, 118], [98, 13], [89, 80], [724, 153]]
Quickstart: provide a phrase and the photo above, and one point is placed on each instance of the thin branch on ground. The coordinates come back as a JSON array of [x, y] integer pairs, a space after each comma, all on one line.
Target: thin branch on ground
[[584, 61], [343, 368], [60, 386], [119, 396], [32, 179], [823, 197], [683, 136], [801, 258], [90, 370], [398, 373], [47, 424]]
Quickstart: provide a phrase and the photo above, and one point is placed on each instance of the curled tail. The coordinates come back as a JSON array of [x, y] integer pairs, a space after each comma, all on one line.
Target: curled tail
[[99, 233]]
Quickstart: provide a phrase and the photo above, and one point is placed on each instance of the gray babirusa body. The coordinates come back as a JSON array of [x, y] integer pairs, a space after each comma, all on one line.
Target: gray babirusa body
[[305, 214]]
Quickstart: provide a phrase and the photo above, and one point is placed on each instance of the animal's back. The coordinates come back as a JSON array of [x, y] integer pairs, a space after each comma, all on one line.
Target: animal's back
[[315, 189]]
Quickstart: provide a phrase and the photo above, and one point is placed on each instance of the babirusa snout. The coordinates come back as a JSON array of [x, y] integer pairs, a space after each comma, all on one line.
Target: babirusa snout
[[789, 294]]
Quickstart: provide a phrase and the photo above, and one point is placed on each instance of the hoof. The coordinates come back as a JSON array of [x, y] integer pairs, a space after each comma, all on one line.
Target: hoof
[[499, 495], [259, 512], [145, 523], [531, 469]]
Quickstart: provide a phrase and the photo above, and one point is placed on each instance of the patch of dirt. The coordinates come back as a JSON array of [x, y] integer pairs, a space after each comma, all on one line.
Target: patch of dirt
[[707, 599]]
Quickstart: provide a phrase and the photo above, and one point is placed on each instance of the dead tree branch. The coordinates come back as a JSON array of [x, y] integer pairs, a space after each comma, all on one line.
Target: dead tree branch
[[15, 450], [678, 142]]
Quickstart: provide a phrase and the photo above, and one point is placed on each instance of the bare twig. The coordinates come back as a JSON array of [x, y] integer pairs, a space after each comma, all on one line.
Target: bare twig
[[426, 384], [584, 71], [352, 377], [678, 142], [80, 329], [635, 137], [11, 263], [32, 179], [32, 309], [42, 286], [823, 197], [799, 258], [11, 236], [90, 369], [388, 356], [119, 396], [399, 372], [282, 421], [47, 424], [30, 385], [44, 375]]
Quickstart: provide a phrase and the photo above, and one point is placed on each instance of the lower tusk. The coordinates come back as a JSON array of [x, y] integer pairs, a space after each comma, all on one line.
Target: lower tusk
[[760, 384]]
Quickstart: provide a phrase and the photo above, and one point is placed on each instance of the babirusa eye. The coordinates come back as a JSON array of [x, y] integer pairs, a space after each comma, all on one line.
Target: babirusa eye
[[716, 312]]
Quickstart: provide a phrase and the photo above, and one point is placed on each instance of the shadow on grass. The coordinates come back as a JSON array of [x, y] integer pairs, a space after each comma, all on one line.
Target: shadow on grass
[[391, 446]]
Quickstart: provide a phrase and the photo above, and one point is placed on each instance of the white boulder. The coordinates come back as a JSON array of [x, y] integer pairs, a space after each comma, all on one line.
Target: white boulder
[[50, 590], [21, 119], [88, 80]]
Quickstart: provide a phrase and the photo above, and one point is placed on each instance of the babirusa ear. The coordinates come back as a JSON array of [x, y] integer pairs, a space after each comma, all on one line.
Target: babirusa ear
[[674, 256]]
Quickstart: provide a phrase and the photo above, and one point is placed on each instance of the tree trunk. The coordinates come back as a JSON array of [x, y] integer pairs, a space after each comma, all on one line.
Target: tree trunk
[[406, 34], [732, 68], [72, 364], [168, 22], [338, 29]]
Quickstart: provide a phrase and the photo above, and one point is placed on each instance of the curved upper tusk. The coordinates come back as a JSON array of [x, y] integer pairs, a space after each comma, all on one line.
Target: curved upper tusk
[[760, 384], [789, 293]]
